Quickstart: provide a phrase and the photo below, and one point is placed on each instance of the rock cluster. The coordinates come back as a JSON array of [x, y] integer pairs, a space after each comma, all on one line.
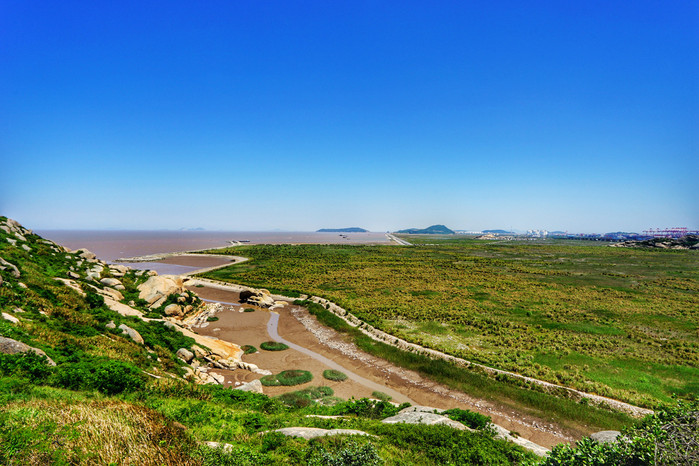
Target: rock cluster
[[10, 346], [260, 298]]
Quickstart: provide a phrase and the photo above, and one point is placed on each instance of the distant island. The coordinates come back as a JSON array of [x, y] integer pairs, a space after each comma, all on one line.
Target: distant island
[[342, 230], [498, 232], [432, 230]]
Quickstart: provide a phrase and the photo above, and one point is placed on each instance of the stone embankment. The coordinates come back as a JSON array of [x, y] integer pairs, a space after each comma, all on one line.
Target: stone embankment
[[401, 344]]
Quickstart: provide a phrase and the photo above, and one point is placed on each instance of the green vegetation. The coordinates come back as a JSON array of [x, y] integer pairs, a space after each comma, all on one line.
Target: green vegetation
[[332, 374], [249, 309], [248, 349], [666, 437], [309, 396], [468, 418], [287, 378], [381, 396], [100, 404], [273, 346], [613, 321], [212, 319]]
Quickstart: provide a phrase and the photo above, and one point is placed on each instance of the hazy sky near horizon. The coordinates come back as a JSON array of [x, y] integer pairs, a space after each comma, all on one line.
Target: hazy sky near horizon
[[250, 115]]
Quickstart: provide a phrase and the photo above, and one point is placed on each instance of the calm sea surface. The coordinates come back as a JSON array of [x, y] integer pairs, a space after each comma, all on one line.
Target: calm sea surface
[[111, 245]]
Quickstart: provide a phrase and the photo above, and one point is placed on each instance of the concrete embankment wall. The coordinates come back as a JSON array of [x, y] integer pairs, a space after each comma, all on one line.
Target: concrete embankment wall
[[401, 344], [392, 340]]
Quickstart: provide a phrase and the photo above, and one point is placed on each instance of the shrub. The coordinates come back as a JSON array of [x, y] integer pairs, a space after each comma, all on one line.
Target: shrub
[[371, 409], [334, 375], [248, 309], [248, 349], [666, 437], [211, 319], [273, 346], [305, 397], [468, 418], [29, 365], [107, 376], [381, 396], [287, 378], [349, 453]]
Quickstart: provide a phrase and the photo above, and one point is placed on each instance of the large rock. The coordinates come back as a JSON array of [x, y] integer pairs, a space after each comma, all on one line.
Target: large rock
[[173, 310], [133, 334], [85, 254], [255, 386], [185, 354], [313, 432], [5, 264], [113, 282], [10, 346], [261, 298], [158, 287], [419, 417], [605, 436], [10, 318]]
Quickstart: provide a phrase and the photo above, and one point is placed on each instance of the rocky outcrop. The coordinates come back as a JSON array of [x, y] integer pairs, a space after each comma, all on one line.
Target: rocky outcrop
[[313, 432], [260, 298], [185, 354], [415, 416], [255, 386], [157, 288], [4, 265], [113, 282], [605, 436], [10, 318], [10, 346], [173, 310], [133, 334]]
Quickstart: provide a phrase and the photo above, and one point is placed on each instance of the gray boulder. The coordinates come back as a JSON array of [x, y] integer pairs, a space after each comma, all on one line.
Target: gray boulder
[[111, 282], [605, 436], [255, 386], [418, 417], [10, 346], [133, 334], [173, 310], [261, 298], [313, 432], [7, 265], [85, 254], [185, 354]]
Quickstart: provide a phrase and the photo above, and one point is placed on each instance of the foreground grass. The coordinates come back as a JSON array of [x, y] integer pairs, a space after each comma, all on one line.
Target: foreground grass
[[167, 424], [616, 322]]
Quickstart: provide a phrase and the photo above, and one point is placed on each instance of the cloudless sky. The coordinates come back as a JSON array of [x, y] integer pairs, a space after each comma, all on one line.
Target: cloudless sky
[[254, 115]]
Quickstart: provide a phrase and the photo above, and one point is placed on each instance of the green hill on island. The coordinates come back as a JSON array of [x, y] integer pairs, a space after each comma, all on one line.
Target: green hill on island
[[342, 230], [432, 230]]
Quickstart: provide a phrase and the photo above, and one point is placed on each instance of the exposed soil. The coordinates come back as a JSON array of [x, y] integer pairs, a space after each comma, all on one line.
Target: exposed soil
[[298, 326]]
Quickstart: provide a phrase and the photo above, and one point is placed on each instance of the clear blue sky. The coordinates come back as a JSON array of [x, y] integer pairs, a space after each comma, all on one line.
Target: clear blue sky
[[254, 115]]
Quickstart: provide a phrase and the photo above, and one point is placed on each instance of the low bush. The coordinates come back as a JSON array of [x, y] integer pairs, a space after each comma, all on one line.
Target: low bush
[[211, 319], [365, 407], [248, 349], [248, 309], [468, 418], [334, 375], [381, 396], [287, 378], [273, 346]]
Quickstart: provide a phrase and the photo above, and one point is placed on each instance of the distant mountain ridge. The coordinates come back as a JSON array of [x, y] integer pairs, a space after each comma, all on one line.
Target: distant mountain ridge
[[431, 230], [342, 230], [499, 232]]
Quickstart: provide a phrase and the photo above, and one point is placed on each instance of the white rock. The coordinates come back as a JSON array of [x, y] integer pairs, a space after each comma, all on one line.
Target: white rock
[[10, 318], [133, 334], [253, 386]]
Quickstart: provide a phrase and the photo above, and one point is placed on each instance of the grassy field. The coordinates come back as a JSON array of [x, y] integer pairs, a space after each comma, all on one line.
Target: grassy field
[[613, 321]]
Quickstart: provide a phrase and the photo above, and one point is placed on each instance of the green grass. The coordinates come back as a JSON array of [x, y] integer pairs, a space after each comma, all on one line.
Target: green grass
[[273, 346], [287, 378], [332, 374], [248, 349], [500, 303]]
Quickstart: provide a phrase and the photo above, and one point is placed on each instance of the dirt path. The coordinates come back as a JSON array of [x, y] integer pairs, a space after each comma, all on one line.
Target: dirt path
[[297, 327]]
